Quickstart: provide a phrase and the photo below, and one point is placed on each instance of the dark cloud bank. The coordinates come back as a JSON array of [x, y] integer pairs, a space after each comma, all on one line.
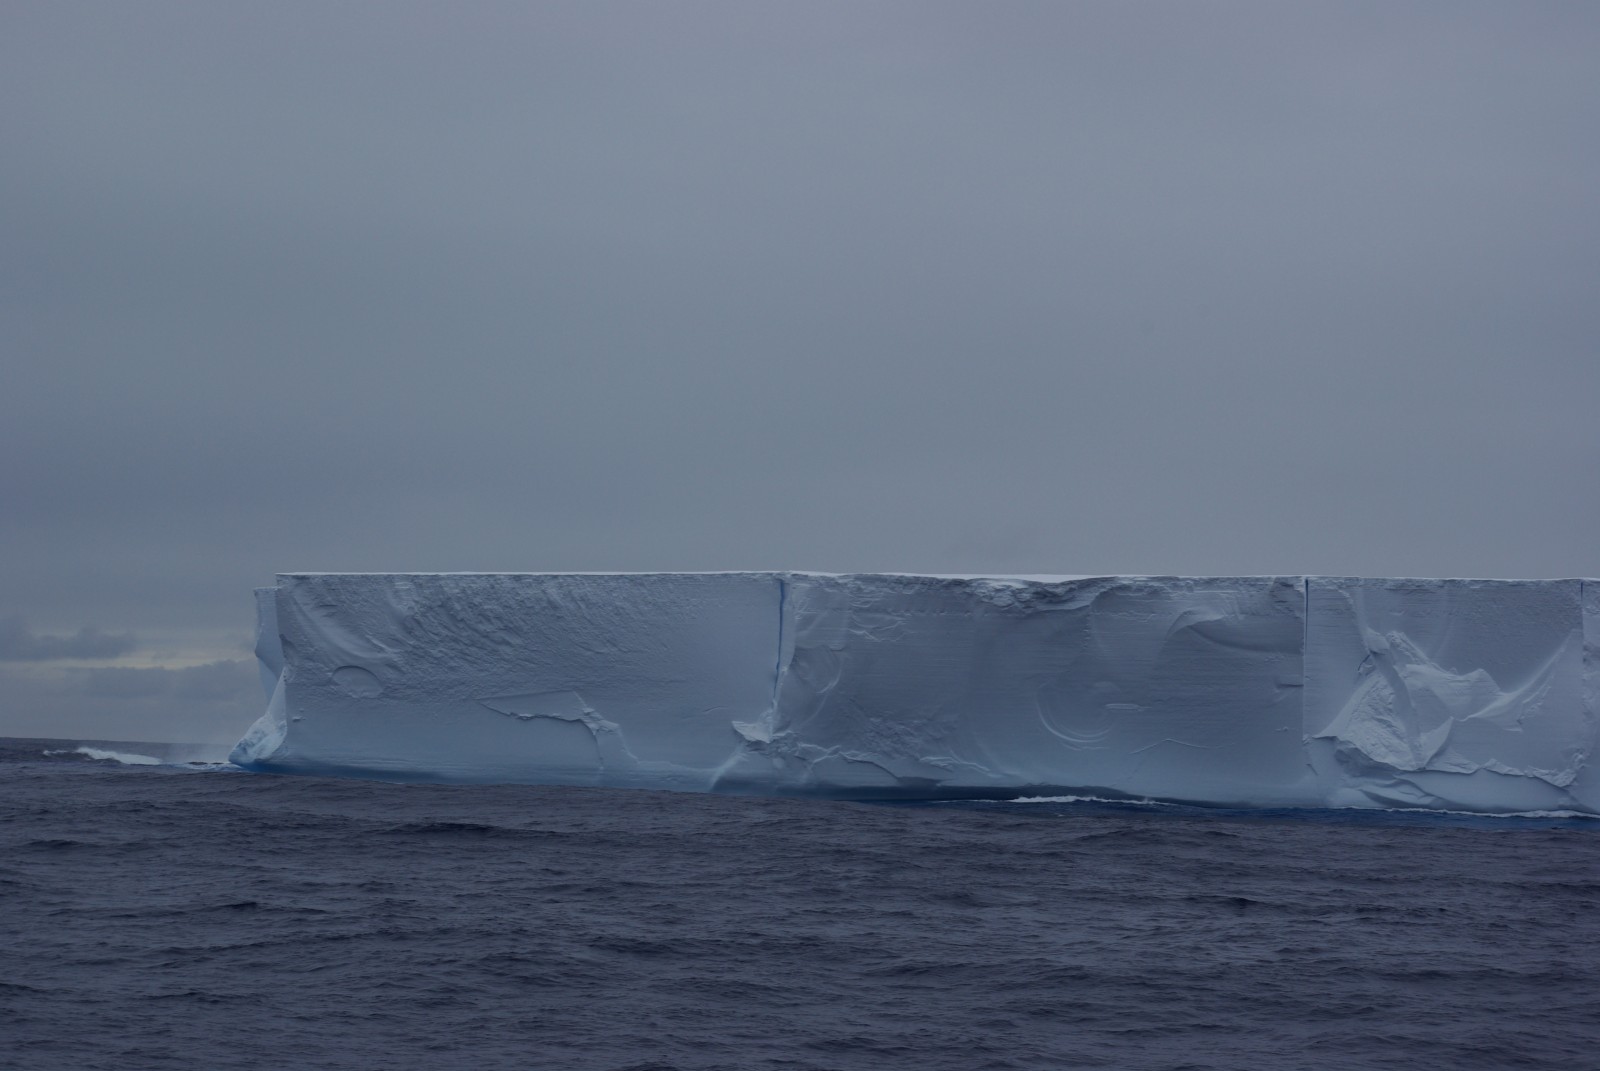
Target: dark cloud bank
[[193, 704], [19, 643], [1166, 287]]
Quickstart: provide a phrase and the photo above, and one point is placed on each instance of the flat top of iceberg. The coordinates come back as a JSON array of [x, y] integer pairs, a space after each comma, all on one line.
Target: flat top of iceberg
[[1038, 578], [1041, 577]]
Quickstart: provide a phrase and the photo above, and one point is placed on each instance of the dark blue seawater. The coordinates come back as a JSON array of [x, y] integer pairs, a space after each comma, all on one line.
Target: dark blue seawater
[[189, 917]]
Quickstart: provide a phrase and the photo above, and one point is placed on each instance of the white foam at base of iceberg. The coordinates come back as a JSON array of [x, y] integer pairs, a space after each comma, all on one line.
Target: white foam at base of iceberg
[[1238, 691], [123, 757]]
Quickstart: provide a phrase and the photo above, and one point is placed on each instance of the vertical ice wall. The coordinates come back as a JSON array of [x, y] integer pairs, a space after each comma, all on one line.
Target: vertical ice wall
[[269, 648], [565, 679], [925, 685], [1585, 786], [1465, 694], [1476, 695]]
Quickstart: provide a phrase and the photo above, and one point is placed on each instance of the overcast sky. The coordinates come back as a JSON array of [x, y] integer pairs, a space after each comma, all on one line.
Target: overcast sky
[[1055, 287]]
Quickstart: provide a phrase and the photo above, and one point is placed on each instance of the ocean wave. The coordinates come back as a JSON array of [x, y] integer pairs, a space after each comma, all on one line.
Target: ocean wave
[[1340, 812], [191, 757], [1092, 799], [103, 755]]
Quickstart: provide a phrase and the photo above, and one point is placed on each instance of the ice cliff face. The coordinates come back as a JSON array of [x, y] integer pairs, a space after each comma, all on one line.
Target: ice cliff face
[[565, 679], [1268, 691], [927, 685], [1440, 693]]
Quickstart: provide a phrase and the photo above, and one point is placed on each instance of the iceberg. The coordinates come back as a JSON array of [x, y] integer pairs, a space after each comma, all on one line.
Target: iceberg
[[1276, 691]]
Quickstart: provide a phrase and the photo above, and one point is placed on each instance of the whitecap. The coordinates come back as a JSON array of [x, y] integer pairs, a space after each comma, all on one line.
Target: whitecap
[[118, 756]]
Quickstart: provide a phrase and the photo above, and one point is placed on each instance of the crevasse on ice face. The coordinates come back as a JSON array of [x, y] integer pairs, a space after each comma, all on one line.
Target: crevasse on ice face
[[1269, 691]]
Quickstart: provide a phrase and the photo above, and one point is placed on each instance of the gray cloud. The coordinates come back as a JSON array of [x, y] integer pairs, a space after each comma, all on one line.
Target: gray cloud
[[119, 682], [228, 680], [18, 643], [212, 702], [1032, 287]]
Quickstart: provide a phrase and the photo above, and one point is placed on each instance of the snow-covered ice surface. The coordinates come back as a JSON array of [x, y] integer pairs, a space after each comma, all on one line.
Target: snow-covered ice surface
[[1469, 695]]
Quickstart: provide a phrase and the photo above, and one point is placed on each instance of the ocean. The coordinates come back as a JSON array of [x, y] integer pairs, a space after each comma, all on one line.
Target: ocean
[[155, 914]]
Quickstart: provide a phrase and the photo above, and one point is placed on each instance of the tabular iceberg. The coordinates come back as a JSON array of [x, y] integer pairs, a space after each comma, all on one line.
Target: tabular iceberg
[[1241, 691]]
